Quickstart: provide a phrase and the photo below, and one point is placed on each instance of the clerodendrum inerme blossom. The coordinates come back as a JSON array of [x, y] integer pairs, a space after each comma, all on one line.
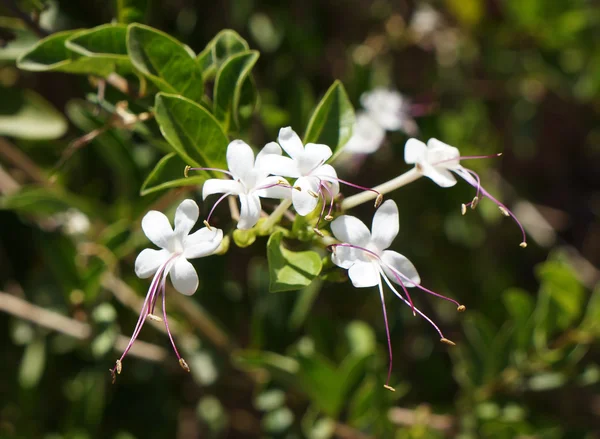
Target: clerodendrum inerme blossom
[[364, 254], [384, 110], [438, 160], [249, 181], [176, 247]]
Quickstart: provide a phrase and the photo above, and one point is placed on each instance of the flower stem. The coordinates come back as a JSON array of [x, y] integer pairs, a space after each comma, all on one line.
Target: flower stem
[[384, 188], [276, 215]]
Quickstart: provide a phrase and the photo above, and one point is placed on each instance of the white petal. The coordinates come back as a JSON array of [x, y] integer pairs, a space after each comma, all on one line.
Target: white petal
[[442, 177], [271, 148], [345, 257], [327, 173], [290, 142], [385, 225], [319, 152], [367, 136], [442, 154], [157, 228], [364, 274], [387, 107], [201, 243], [149, 260], [415, 151], [240, 158], [186, 216], [351, 230], [184, 277], [279, 165], [221, 186], [280, 191], [249, 211], [306, 199], [401, 264]]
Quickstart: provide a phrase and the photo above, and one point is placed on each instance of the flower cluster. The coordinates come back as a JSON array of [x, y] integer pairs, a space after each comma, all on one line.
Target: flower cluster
[[302, 178]]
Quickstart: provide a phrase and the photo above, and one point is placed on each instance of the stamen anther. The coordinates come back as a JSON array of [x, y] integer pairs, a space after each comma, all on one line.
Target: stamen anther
[[298, 188], [390, 388], [463, 209], [207, 225], [328, 218], [318, 232], [312, 194], [378, 200], [461, 308], [184, 365], [186, 170], [504, 211], [154, 317], [114, 376], [523, 244], [119, 367], [474, 203], [448, 342]]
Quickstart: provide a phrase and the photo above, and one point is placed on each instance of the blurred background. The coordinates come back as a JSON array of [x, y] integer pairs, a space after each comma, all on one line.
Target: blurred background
[[521, 77]]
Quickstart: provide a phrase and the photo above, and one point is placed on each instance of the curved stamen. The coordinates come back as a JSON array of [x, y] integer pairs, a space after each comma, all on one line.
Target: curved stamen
[[188, 168], [330, 193], [321, 197], [387, 333], [463, 172], [468, 157], [215, 206]]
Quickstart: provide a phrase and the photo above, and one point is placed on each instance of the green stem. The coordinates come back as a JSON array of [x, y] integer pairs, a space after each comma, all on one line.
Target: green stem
[[384, 188]]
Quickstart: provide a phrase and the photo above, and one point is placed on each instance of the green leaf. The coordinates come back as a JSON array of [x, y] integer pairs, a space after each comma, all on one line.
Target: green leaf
[[27, 115], [168, 173], [224, 45], [45, 201], [228, 87], [107, 42], [168, 63], [192, 131], [290, 270], [131, 11], [51, 54], [332, 121]]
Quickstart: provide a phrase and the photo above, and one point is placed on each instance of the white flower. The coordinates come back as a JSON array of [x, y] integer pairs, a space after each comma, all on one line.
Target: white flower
[[176, 247], [367, 135], [250, 181], [306, 163], [364, 254], [438, 161]]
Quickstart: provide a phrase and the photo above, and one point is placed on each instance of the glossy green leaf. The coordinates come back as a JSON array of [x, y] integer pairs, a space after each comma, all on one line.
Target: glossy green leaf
[[192, 131], [107, 42], [131, 11], [51, 54], [224, 45], [168, 173], [27, 115], [332, 121], [168, 63], [289, 270], [228, 87]]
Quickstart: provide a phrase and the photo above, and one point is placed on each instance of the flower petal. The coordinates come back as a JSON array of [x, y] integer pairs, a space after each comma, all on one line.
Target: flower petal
[[203, 242], [221, 186], [279, 165], [442, 154], [186, 216], [148, 261], [249, 211], [345, 257], [327, 173], [306, 199], [367, 135], [157, 228], [351, 230], [401, 264], [290, 142], [276, 190], [271, 148], [387, 107], [415, 151], [318, 152], [364, 274], [184, 277], [240, 159], [385, 225], [442, 177]]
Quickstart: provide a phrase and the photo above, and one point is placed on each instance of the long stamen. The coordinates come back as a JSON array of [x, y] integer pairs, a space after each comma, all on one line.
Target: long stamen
[[419, 286], [322, 197], [214, 207], [389, 339], [188, 169], [328, 217], [468, 157], [463, 172]]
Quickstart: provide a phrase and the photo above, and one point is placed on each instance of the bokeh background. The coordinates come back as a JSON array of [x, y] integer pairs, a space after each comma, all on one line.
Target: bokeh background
[[521, 77]]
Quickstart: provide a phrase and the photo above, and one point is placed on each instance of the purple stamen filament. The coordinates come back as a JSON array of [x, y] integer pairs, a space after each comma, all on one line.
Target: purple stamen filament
[[211, 169], [221, 198]]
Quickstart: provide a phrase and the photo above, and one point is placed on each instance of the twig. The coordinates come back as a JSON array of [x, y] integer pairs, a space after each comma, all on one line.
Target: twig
[[8, 185], [71, 327], [15, 156]]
